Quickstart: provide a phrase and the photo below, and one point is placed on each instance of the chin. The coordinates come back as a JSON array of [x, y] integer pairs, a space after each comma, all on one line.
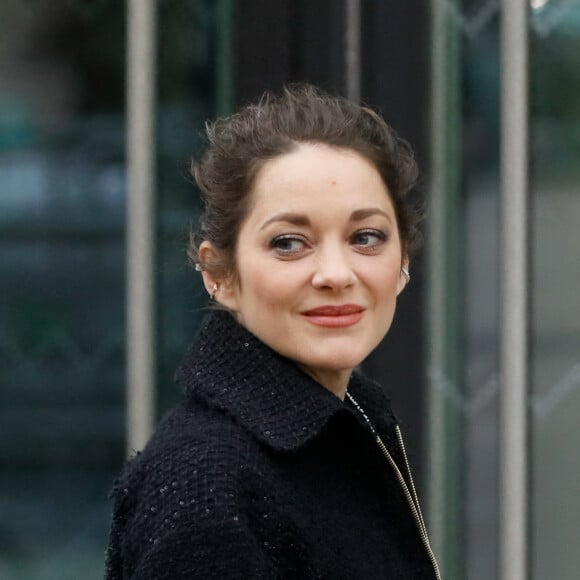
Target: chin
[[334, 362]]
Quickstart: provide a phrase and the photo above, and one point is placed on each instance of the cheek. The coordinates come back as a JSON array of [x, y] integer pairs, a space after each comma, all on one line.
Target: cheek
[[263, 286], [384, 281]]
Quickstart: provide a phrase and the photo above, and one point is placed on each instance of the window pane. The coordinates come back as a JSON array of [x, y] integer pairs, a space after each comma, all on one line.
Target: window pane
[[186, 98], [555, 361], [62, 178], [482, 214]]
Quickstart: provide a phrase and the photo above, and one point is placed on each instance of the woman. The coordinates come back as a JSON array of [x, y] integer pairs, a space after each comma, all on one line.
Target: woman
[[282, 462]]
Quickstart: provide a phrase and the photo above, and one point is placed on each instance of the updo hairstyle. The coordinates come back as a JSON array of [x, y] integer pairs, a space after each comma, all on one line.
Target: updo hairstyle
[[239, 145]]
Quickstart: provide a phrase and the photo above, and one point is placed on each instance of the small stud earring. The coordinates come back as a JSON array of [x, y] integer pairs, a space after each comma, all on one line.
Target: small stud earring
[[405, 273], [213, 292]]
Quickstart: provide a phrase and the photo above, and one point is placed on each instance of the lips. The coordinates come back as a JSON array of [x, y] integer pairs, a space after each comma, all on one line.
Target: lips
[[335, 316]]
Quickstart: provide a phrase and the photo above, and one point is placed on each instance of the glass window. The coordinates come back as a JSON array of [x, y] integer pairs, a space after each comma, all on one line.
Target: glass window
[[62, 177], [62, 262], [555, 302], [186, 99], [465, 385]]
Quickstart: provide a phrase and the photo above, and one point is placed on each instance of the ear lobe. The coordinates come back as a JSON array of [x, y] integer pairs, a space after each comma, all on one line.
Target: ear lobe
[[222, 290], [207, 255], [227, 294]]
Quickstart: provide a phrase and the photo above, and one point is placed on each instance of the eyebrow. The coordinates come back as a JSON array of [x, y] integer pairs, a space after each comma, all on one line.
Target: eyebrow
[[299, 219], [361, 214], [296, 219]]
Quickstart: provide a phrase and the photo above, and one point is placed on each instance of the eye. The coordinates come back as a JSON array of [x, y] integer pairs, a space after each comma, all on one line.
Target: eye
[[288, 245], [368, 239]]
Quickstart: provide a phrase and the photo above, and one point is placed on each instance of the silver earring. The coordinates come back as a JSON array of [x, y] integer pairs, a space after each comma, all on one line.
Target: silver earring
[[198, 267], [405, 273], [213, 292]]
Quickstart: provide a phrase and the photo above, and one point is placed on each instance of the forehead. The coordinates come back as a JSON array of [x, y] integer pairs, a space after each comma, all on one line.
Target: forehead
[[319, 178]]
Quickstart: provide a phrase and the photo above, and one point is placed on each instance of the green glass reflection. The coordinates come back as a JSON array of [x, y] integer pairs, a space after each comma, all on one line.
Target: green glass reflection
[[186, 99], [62, 262], [555, 336], [62, 179]]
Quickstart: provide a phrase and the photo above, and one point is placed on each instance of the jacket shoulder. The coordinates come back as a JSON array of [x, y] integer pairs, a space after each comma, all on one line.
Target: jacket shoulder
[[193, 441], [182, 490]]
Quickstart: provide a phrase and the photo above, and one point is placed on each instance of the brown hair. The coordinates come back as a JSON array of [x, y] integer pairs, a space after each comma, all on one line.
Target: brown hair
[[241, 144]]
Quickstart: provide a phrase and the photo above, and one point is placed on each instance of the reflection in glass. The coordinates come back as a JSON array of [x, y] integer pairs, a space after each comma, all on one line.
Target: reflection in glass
[[555, 331], [62, 265], [61, 280]]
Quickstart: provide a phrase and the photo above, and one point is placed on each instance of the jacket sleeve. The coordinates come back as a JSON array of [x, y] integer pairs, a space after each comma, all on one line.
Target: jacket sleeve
[[174, 519], [219, 550]]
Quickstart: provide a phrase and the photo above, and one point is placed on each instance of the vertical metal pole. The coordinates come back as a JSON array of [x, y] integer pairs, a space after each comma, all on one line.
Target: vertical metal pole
[[141, 16], [443, 441], [436, 294], [352, 49], [514, 186]]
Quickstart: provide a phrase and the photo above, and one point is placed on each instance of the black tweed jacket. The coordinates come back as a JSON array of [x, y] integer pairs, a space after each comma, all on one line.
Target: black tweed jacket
[[262, 473]]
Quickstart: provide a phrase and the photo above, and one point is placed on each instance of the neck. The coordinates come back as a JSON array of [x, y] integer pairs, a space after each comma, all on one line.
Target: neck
[[336, 381]]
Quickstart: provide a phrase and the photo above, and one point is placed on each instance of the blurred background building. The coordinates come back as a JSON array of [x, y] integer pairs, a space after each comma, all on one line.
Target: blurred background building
[[74, 113]]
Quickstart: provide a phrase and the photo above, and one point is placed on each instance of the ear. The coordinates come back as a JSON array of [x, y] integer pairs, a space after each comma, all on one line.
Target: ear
[[224, 290], [403, 281]]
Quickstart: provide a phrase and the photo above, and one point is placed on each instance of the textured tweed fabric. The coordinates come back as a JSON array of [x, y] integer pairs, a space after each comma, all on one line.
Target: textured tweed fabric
[[262, 473]]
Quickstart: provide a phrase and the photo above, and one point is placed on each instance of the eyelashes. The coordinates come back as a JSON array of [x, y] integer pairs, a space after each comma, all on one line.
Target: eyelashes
[[369, 238], [367, 241], [288, 244]]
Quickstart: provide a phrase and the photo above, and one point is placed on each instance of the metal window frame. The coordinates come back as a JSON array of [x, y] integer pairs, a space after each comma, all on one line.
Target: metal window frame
[[140, 253], [443, 445], [514, 294]]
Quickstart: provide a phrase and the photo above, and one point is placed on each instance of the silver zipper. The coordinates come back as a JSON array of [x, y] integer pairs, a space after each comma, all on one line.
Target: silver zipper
[[411, 497], [420, 519], [410, 474]]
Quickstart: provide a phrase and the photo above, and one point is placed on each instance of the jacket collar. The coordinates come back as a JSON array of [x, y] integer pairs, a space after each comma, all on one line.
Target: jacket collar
[[231, 369]]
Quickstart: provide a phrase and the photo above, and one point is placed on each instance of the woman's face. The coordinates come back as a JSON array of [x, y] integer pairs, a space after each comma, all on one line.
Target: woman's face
[[318, 261]]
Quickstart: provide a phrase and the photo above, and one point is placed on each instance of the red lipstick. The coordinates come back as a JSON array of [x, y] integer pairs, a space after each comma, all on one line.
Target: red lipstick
[[334, 316]]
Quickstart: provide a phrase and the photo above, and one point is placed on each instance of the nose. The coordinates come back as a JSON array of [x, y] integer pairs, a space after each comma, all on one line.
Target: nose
[[333, 269]]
